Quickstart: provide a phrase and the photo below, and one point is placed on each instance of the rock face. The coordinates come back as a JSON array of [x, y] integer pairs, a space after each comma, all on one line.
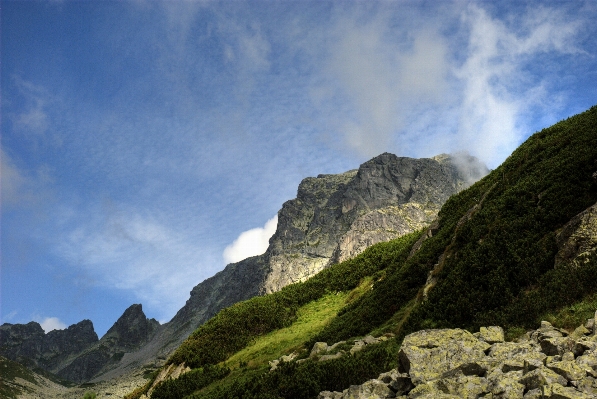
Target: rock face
[[29, 345], [577, 240], [333, 218], [132, 330], [453, 363], [76, 354]]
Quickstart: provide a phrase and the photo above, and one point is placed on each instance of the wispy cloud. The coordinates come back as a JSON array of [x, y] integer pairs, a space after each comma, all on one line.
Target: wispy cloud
[[22, 188], [32, 117], [421, 90], [135, 253], [251, 242], [497, 89]]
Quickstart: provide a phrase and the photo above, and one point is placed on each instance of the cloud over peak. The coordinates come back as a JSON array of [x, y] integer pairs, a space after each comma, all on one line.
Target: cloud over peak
[[251, 242]]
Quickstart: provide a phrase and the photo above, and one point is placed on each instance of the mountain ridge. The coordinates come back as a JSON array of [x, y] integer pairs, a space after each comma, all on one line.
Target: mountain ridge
[[488, 259], [333, 217]]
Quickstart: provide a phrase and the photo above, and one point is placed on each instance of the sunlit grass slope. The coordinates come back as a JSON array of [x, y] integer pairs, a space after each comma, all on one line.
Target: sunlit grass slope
[[311, 319]]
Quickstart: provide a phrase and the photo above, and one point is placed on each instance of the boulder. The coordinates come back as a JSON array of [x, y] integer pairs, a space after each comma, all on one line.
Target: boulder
[[541, 377], [557, 391], [372, 389], [428, 354], [318, 348], [557, 345], [491, 335], [467, 387], [567, 369]]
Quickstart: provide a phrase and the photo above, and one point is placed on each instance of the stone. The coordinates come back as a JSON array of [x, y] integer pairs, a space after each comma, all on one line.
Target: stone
[[507, 388], [336, 355], [557, 345], [540, 377], [330, 395], [590, 325], [468, 387], [587, 385], [372, 389], [369, 339], [289, 358], [318, 348], [584, 345], [567, 369], [491, 335], [358, 346], [580, 332], [423, 390], [588, 360], [557, 391], [400, 383], [273, 364], [428, 354], [533, 394]]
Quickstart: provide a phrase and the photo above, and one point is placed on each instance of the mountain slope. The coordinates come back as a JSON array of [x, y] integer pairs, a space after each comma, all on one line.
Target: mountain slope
[[76, 354], [490, 258], [334, 217]]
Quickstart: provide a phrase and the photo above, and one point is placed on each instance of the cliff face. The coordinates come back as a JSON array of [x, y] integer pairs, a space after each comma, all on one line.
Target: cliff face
[[333, 218]]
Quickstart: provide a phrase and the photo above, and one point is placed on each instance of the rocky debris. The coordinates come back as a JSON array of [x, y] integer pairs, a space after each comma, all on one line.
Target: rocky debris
[[453, 363], [286, 358], [322, 352]]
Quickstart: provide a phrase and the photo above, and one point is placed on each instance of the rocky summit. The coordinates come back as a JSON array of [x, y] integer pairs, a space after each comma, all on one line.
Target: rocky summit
[[76, 354], [334, 217], [453, 363]]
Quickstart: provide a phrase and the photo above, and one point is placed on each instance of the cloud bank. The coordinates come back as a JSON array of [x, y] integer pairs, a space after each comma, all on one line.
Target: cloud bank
[[251, 242]]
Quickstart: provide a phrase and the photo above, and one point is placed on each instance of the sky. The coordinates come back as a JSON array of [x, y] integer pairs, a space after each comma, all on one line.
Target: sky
[[146, 144]]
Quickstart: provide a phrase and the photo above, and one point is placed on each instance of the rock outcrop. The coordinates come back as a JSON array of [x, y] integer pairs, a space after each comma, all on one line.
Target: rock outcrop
[[76, 354], [453, 363], [30, 345], [577, 240]]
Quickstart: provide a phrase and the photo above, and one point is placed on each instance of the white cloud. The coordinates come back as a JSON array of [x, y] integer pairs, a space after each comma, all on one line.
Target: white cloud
[[52, 323], [496, 91], [415, 90], [251, 242]]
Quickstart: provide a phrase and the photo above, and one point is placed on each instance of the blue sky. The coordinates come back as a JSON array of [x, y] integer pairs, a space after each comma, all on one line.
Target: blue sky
[[147, 143]]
